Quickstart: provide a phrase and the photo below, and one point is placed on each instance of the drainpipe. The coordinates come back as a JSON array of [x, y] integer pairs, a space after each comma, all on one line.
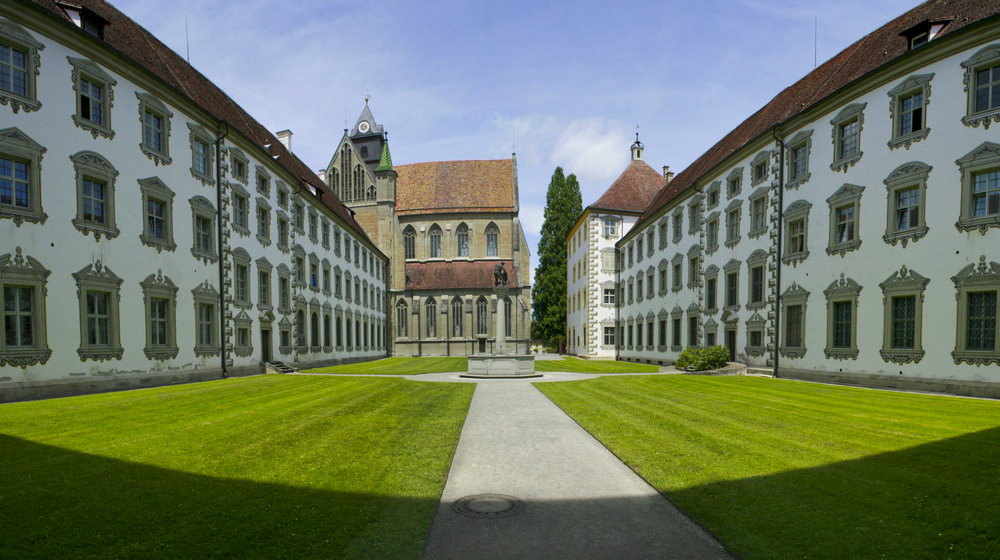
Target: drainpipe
[[618, 294], [780, 232], [218, 234]]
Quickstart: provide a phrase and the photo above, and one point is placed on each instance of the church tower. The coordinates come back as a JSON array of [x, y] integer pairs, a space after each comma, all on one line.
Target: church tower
[[369, 138]]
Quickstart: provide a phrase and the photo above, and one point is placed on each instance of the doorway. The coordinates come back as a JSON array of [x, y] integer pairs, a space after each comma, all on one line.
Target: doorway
[[265, 345], [482, 345], [731, 343]]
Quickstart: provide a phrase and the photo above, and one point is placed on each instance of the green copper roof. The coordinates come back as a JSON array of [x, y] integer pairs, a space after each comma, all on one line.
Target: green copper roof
[[385, 163]]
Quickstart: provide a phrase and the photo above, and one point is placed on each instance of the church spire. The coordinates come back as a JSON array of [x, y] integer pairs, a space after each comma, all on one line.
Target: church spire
[[385, 162]]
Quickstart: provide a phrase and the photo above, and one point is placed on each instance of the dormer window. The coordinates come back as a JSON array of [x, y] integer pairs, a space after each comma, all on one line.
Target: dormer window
[[924, 32], [91, 23]]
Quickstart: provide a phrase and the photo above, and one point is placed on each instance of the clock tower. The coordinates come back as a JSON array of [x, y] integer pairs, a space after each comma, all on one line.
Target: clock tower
[[368, 137]]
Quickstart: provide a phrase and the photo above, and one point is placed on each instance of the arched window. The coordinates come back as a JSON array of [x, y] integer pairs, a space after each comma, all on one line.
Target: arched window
[[492, 240], [401, 318], [457, 316], [340, 332], [357, 333], [326, 331], [347, 330], [357, 182], [335, 182], [300, 327], [507, 307], [314, 330], [435, 240], [409, 243], [364, 330], [481, 316], [462, 240], [371, 192], [430, 310]]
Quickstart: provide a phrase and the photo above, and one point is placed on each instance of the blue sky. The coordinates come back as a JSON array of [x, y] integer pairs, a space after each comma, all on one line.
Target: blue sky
[[564, 82]]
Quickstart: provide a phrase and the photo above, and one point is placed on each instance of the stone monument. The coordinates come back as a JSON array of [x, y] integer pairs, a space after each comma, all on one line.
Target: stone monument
[[500, 364]]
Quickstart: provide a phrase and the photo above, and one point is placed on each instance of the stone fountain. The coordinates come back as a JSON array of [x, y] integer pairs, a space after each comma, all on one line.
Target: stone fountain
[[501, 364]]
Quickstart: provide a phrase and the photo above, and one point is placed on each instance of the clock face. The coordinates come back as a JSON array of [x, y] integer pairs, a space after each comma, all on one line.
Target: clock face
[[364, 126]]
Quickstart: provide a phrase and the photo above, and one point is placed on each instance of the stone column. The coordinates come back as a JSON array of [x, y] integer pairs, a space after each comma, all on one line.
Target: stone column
[[500, 348]]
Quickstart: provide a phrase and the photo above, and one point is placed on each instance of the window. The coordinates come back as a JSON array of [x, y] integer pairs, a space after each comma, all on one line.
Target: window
[[462, 240], [908, 110], [712, 233], [609, 336], [201, 154], [610, 230], [711, 289], [976, 338], [982, 81], [313, 226], [284, 289], [693, 268], [457, 317], [649, 244], [755, 336], [694, 216], [796, 240], [675, 344], [758, 212], [678, 225], [300, 330], [299, 216], [759, 167], [712, 194], [409, 245], [733, 214], [638, 290], [263, 284], [19, 65], [283, 196], [98, 289], [160, 296], [732, 271], [903, 300], [734, 182], [401, 317], [842, 318], [95, 195], [238, 165], [638, 249], [662, 271], [158, 225], [980, 170], [661, 344], [481, 322], [692, 328], [94, 92], [507, 322], [325, 232], [326, 277], [434, 237], [492, 241], [263, 177], [677, 281], [241, 278], [20, 176], [282, 231], [845, 216], [905, 188], [23, 340], [793, 312], [847, 136], [609, 296], [154, 118], [756, 263], [314, 332], [263, 221], [203, 221], [799, 147]]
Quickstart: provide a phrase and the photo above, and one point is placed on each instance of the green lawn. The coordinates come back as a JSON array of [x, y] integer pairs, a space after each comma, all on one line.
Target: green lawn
[[576, 365], [261, 467], [784, 469], [401, 366]]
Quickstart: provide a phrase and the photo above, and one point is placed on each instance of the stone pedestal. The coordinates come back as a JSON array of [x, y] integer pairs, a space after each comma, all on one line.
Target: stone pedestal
[[500, 364]]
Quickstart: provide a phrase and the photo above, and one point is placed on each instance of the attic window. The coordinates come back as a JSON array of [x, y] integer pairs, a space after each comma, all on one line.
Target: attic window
[[924, 32], [91, 23]]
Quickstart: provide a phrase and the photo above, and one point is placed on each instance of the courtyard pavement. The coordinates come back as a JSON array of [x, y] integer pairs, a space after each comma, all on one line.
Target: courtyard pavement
[[527, 482]]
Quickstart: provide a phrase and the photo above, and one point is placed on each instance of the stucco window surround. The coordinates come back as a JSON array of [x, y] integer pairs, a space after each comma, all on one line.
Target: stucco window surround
[[21, 169], [240, 209], [285, 336], [284, 289], [908, 103], [902, 326], [650, 331], [203, 227], [98, 290], [242, 335], [283, 228], [262, 181], [241, 278], [977, 338], [264, 288], [758, 200], [639, 246], [299, 326], [159, 298], [713, 194], [239, 165], [712, 289], [202, 156], [95, 96], [676, 319], [23, 291], [327, 290], [20, 92], [846, 134], [158, 215], [793, 335], [755, 346], [327, 327], [628, 343], [980, 172], [283, 194], [315, 332], [842, 319], [712, 233], [982, 108], [661, 334], [299, 265], [650, 240], [906, 189], [611, 225], [694, 322], [799, 147], [760, 167], [734, 215], [734, 182], [711, 330], [661, 228], [263, 221], [325, 232], [694, 267], [677, 272], [95, 195], [313, 225], [731, 272], [796, 233], [694, 214], [154, 125], [845, 220], [757, 280], [650, 282], [678, 225]]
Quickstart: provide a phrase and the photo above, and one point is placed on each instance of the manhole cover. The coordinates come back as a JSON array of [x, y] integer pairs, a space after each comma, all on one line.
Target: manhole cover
[[488, 506]]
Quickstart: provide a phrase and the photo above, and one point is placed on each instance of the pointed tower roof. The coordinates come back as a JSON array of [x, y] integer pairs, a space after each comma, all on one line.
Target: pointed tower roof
[[385, 163], [366, 117], [633, 190]]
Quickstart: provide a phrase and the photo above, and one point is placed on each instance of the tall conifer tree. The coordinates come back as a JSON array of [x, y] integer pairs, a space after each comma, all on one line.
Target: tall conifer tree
[[563, 205]]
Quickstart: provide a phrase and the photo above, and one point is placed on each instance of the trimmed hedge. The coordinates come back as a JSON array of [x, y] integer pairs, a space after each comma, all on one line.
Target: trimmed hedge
[[703, 358]]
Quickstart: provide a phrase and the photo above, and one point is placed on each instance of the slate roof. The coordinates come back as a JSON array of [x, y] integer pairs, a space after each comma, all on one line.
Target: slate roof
[[871, 52], [632, 190], [128, 38], [366, 115], [480, 185], [457, 275]]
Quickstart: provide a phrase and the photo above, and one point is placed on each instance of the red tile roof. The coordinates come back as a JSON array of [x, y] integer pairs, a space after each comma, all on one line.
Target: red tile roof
[[632, 190], [880, 47], [457, 275], [480, 185], [128, 38]]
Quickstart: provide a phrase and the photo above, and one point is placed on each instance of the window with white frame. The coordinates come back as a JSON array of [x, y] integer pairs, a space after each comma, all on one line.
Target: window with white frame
[[20, 178], [980, 171], [23, 340], [492, 240], [434, 242], [796, 233], [158, 210], [977, 338], [734, 213], [202, 157], [203, 222], [734, 182], [241, 278], [842, 318], [908, 110], [982, 81], [160, 296], [154, 120], [902, 327], [758, 212], [756, 264], [610, 227], [847, 136], [793, 323], [799, 147], [263, 221], [845, 219], [19, 67], [98, 290], [462, 240], [95, 195], [94, 94]]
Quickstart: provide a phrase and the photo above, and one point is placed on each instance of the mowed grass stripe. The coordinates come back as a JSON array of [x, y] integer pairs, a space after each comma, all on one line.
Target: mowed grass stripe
[[263, 467], [782, 469], [400, 366]]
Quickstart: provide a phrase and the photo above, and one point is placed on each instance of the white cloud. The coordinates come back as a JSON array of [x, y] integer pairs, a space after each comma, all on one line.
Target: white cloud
[[593, 149]]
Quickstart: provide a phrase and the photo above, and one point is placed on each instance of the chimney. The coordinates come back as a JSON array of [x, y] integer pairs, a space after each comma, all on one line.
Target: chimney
[[668, 174], [285, 137]]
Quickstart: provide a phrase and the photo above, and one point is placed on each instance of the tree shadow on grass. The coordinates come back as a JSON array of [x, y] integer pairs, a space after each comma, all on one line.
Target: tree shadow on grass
[[936, 500], [59, 503]]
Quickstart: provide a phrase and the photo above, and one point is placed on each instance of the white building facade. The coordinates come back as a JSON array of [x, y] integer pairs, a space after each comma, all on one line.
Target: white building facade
[[152, 231], [852, 233]]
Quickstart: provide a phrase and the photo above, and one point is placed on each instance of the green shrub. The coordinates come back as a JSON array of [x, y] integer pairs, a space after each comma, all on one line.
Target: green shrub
[[702, 359]]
